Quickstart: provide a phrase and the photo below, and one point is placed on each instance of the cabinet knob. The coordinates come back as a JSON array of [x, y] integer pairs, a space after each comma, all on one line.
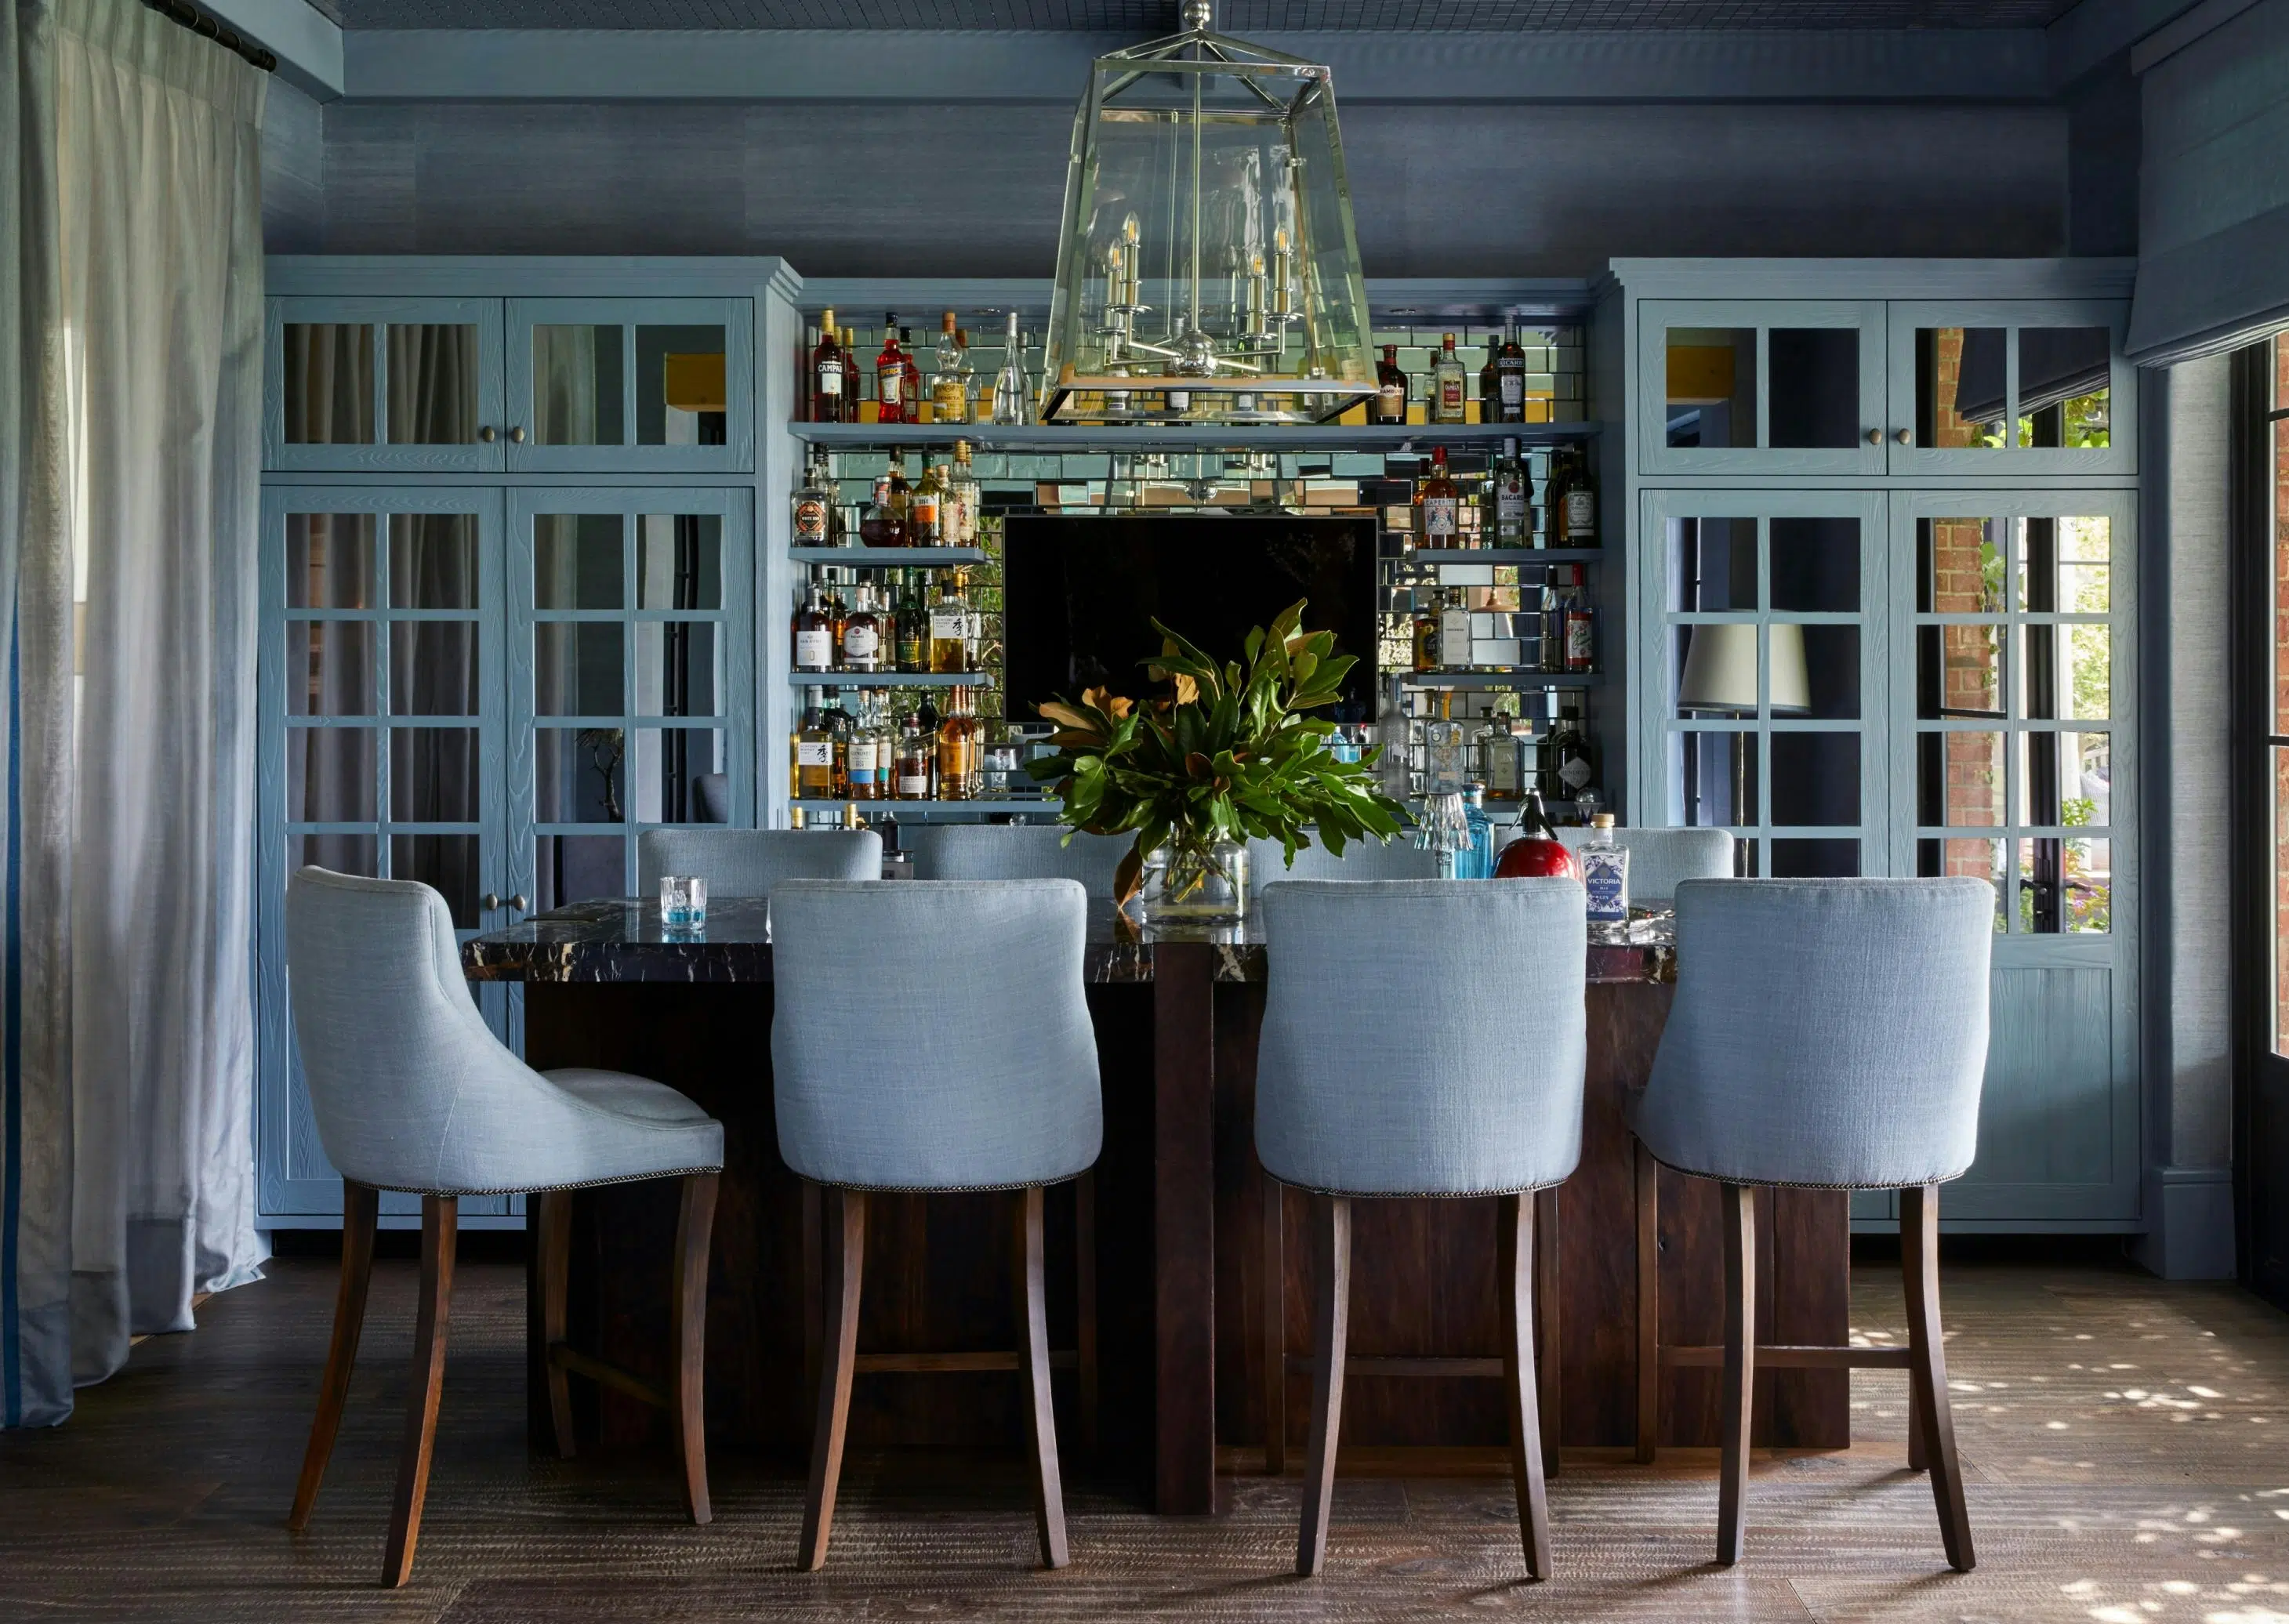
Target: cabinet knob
[[517, 902], [516, 435], [1875, 436], [489, 902], [489, 434], [1905, 437]]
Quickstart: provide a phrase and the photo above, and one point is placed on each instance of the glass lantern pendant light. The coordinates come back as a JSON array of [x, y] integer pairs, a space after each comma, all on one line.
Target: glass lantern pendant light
[[1207, 271]]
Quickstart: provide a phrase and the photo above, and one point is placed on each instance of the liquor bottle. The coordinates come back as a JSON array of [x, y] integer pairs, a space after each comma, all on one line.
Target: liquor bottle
[[862, 632], [1427, 603], [1573, 498], [926, 509], [1449, 385], [894, 374], [1537, 853], [813, 753], [1581, 625], [860, 759], [878, 526], [1010, 390], [967, 498], [913, 623], [1489, 400], [949, 393], [969, 375], [814, 630], [949, 627], [1552, 618], [1394, 737], [1476, 859], [957, 748], [1508, 404], [1390, 387], [916, 759], [1437, 505], [1605, 877], [814, 506], [1499, 758], [832, 394], [838, 728], [1508, 478], [901, 500], [1454, 632], [1568, 768]]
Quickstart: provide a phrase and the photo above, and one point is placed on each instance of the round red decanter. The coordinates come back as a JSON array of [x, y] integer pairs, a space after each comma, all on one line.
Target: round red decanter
[[1537, 854]]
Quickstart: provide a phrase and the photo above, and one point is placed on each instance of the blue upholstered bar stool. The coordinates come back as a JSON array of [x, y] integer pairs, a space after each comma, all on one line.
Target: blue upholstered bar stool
[[1829, 1033], [1400, 859], [1360, 1097], [1659, 858], [736, 863], [412, 1092], [912, 966], [1016, 851]]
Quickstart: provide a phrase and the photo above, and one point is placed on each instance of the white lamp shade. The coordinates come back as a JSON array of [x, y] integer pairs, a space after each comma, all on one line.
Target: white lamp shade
[[1721, 670]]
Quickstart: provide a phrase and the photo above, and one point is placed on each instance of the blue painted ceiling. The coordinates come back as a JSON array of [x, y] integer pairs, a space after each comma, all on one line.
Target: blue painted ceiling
[[1146, 18]]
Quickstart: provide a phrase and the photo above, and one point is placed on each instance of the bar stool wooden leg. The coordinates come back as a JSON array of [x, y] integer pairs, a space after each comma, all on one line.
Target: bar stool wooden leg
[[845, 1267], [694, 1226], [439, 1229], [554, 1225], [1919, 1452], [1545, 1313], [814, 1283], [1740, 1204], [1331, 1317], [1648, 1194], [360, 1203], [1516, 1265], [1275, 1327], [1033, 1365], [1927, 1369], [1085, 1293]]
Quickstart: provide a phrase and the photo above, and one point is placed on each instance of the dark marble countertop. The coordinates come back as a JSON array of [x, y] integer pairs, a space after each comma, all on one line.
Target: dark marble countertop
[[623, 939]]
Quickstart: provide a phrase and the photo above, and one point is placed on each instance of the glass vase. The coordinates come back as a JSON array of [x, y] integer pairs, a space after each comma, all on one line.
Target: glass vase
[[1197, 881]]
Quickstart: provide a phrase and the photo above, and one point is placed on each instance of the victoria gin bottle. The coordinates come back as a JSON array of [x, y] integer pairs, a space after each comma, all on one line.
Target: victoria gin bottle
[[1449, 385], [832, 394], [1389, 387], [958, 748], [1439, 506], [1508, 403], [814, 631], [894, 374], [949, 390]]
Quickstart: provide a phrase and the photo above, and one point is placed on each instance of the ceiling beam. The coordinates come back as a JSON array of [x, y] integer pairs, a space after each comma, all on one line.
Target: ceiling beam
[[953, 66], [2097, 31], [306, 42]]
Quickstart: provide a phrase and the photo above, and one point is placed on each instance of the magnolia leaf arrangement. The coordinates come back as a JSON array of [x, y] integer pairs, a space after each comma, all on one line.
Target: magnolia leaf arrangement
[[1230, 755]]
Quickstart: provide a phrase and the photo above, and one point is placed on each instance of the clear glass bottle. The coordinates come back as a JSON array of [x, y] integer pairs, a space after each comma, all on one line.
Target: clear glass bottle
[[958, 748], [1605, 877], [814, 629], [1449, 385], [1476, 858], [1394, 737], [1499, 757], [949, 626], [863, 766], [1512, 509], [894, 374], [1389, 387], [1437, 505], [813, 753], [917, 758], [926, 508], [1011, 395], [863, 632], [966, 497], [913, 623], [831, 394], [949, 396]]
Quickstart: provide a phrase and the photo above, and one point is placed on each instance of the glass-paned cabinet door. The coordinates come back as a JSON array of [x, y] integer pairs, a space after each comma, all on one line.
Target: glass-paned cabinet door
[[354, 384], [630, 679], [2013, 748], [2014, 387], [379, 747], [1760, 385], [659, 385], [1763, 681]]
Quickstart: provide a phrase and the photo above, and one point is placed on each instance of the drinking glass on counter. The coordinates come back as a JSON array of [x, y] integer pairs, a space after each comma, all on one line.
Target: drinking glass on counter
[[683, 902]]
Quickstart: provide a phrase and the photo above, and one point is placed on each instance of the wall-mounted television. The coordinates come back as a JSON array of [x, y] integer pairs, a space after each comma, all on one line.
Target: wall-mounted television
[[1081, 594]]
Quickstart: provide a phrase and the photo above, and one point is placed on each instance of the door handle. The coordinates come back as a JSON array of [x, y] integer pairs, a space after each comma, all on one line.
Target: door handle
[[489, 434], [517, 902], [1905, 437], [1875, 436], [516, 435], [489, 902]]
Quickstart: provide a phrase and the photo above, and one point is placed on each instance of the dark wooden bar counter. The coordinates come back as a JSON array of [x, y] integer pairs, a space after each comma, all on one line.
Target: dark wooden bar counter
[[1180, 1253]]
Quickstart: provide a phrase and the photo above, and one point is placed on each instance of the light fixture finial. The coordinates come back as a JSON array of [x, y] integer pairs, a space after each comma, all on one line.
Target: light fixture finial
[[1200, 16]]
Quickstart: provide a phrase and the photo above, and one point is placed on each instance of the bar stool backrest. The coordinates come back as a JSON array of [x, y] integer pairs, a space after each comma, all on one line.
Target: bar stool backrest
[[1422, 1037], [1659, 858], [1401, 859], [1014, 851], [1828, 1033], [747, 862], [933, 1037]]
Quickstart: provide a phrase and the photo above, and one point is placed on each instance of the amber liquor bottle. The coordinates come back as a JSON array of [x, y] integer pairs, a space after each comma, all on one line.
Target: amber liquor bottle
[[1389, 387], [814, 631], [958, 748], [949, 628], [831, 391], [1437, 505], [863, 632]]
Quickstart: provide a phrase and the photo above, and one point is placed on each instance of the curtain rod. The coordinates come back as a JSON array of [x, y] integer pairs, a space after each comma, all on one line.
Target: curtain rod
[[199, 22]]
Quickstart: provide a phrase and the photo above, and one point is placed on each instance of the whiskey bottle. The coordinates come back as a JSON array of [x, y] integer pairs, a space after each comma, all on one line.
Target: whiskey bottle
[[1010, 390], [1427, 603], [1508, 478], [1390, 387], [1489, 399], [814, 506], [1449, 385], [917, 755], [1573, 498], [838, 729], [814, 630], [926, 509], [865, 767], [813, 753], [913, 623], [965, 497], [949, 627], [1439, 506], [949, 396], [1508, 404], [957, 748], [831, 386], [878, 526], [862, 632], [894, 374]]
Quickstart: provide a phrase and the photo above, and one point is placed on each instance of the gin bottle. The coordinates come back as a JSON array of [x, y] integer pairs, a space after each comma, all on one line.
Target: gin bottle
[[1605, 877]]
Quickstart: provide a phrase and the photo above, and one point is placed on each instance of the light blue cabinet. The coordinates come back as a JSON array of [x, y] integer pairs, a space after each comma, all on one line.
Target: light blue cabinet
[[1780, 387], [620, 386], [364, 384], [2018, 388]]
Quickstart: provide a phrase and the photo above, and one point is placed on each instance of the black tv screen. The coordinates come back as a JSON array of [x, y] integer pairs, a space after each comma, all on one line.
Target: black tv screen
[[1080, 594]]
